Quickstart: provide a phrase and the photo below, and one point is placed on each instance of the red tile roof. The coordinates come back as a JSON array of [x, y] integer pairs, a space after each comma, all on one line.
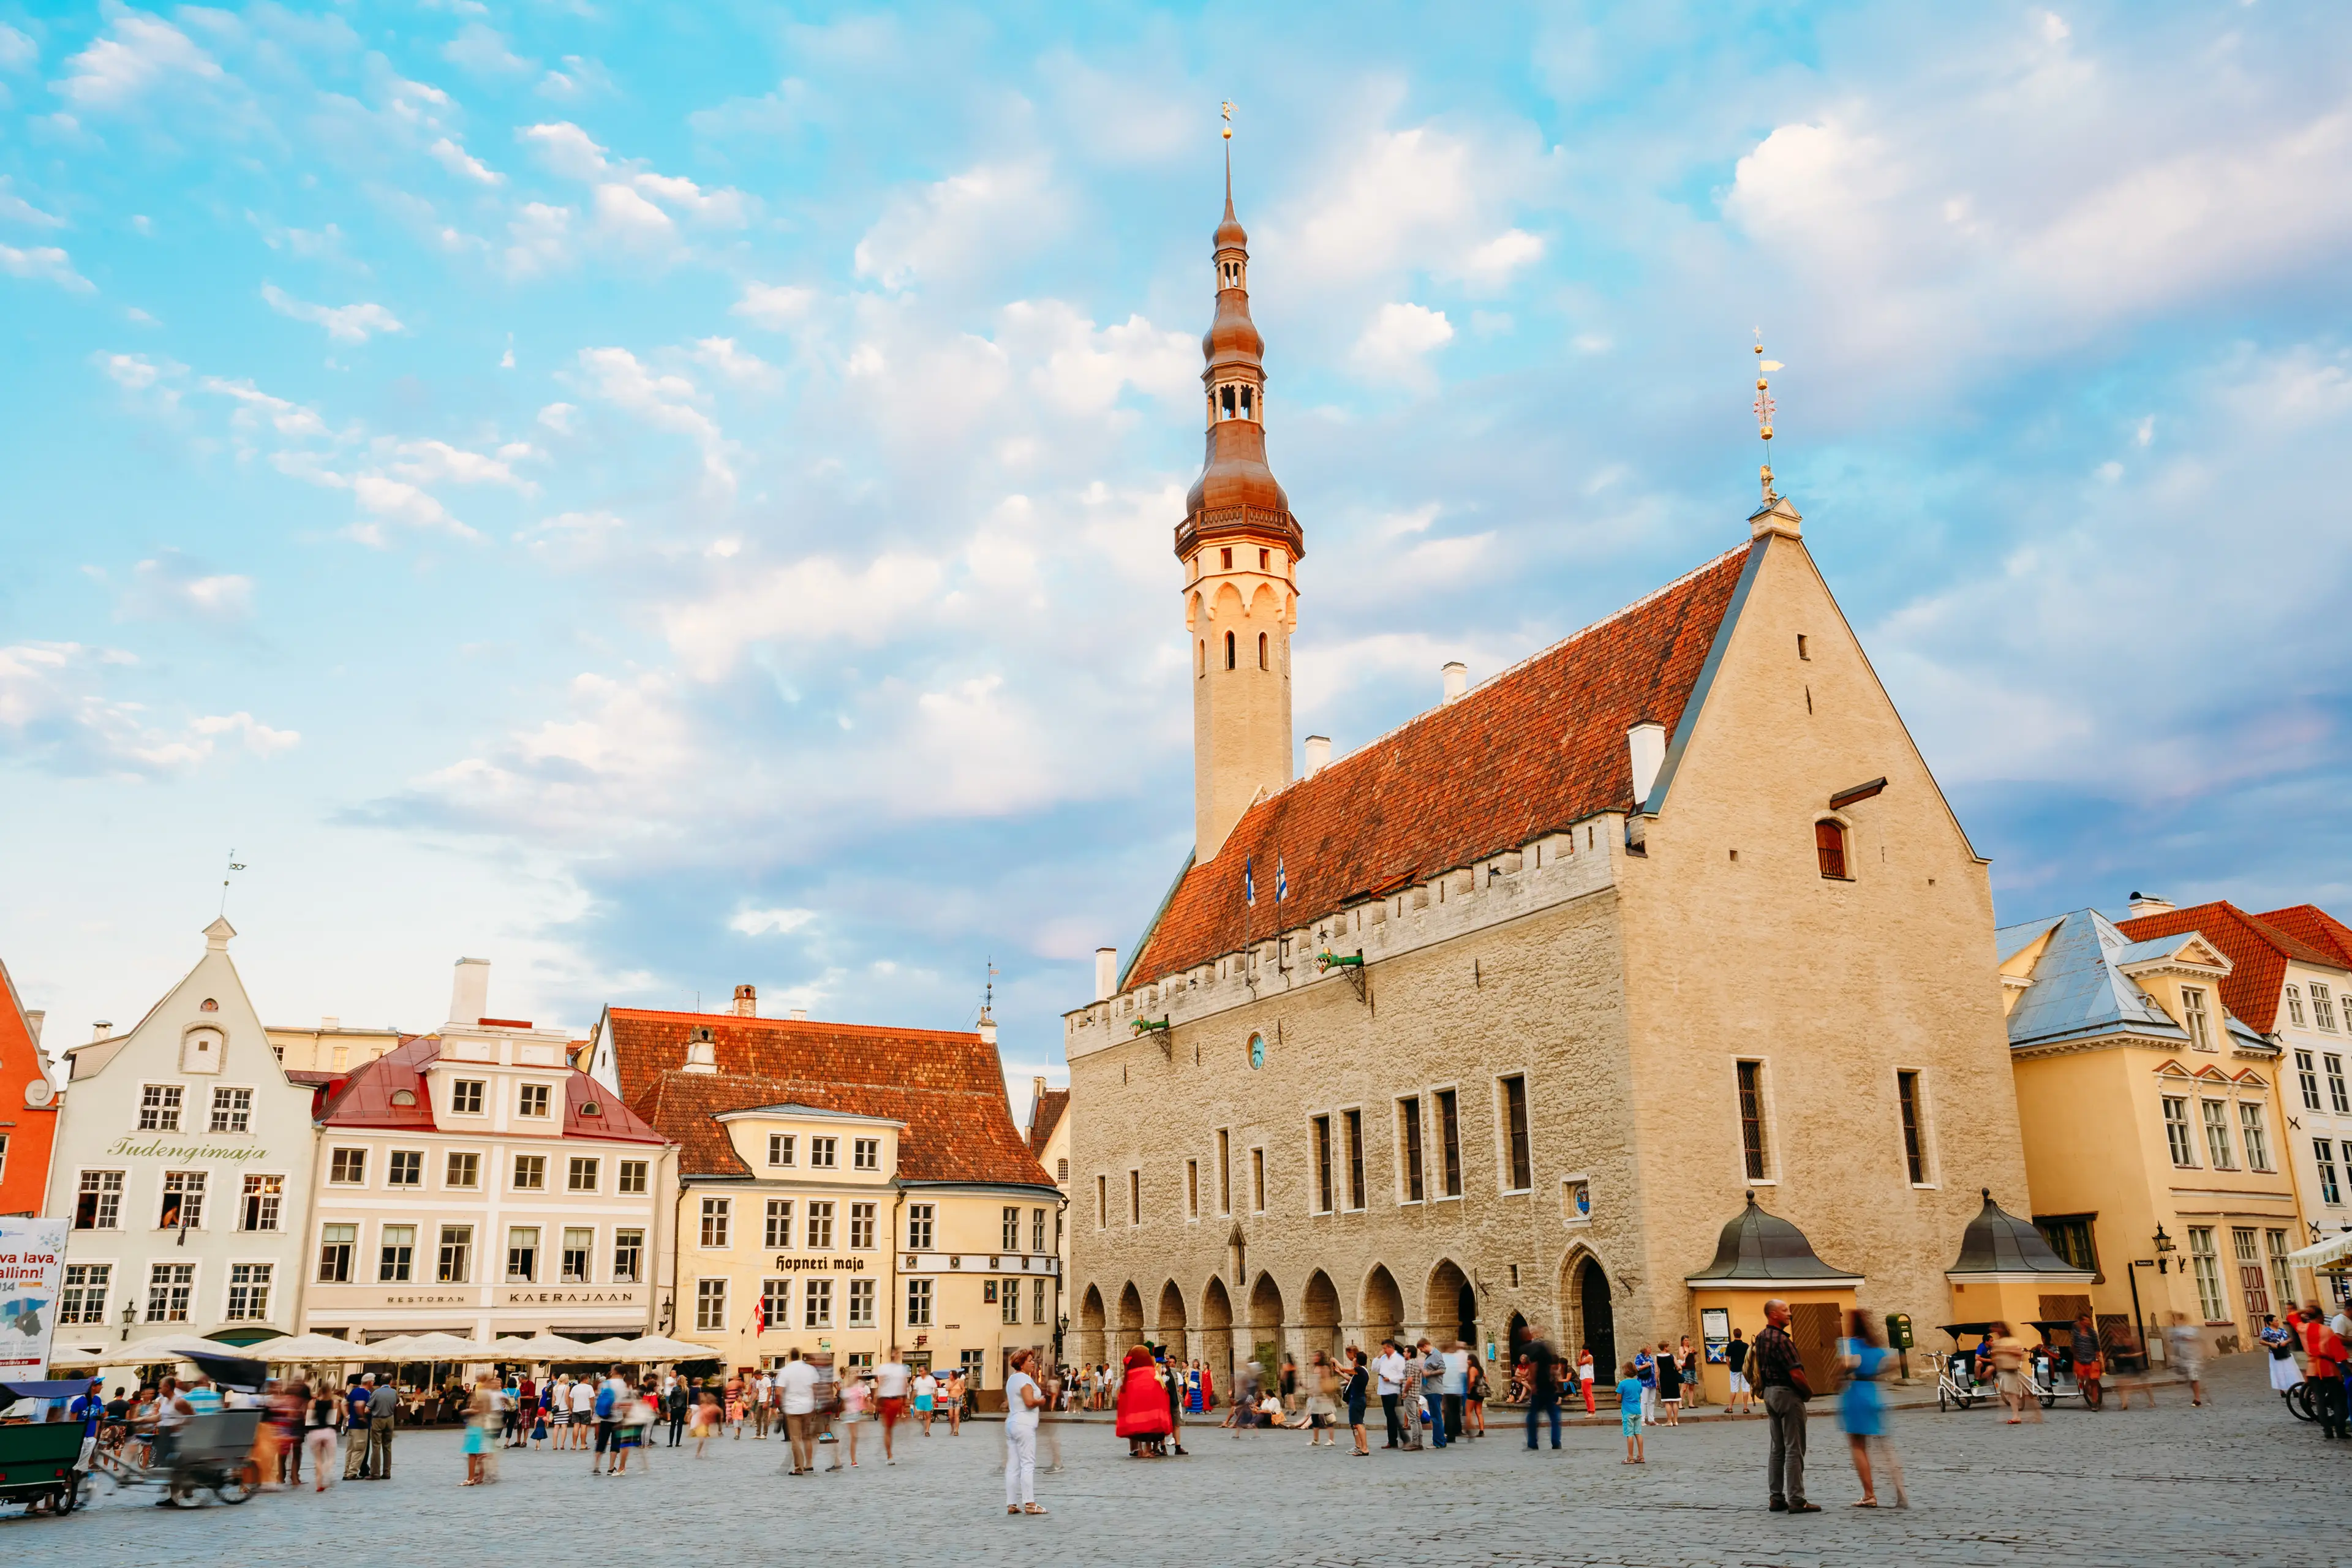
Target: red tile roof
[[364, 1099], [1538, 748], [2257, 949], [948, 1086], [1044, 1116], [2316, 928]]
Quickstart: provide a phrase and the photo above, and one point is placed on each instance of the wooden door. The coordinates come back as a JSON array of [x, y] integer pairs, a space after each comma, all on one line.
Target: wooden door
[[1814, 1329]]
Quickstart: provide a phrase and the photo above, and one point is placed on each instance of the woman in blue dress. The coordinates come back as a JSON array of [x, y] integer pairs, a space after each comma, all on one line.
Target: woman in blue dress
[[1860, 1411]]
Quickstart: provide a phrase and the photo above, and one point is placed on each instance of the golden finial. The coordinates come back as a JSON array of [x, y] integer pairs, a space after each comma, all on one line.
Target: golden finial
[[1764, 408], [1229, 119]]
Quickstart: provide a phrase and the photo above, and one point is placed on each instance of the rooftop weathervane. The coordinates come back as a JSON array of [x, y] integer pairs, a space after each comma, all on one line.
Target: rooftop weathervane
[[1764, 367]]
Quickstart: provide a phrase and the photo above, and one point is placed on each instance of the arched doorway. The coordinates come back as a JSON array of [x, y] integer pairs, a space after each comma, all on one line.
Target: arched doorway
[[1090, 1327], [1217, 1334], [1170, 1329], [1516, 1336], [1442, 1309], [1130, 1320], [1466, 1316], [1383, 1306], [1320, 1314], [1598, 1320], [1265, 1327]]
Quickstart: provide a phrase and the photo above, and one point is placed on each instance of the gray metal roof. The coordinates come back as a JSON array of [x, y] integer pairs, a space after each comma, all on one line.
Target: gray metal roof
[[2010, 941], [2077, 989], [1760, 1246], [1998, 1242]]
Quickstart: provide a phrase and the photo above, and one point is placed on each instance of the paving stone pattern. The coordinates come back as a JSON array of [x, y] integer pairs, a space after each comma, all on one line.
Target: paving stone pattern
[[2236, 1482]]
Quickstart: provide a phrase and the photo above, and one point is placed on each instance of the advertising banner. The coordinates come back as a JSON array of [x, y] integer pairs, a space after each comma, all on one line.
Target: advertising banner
[[32, 1267]]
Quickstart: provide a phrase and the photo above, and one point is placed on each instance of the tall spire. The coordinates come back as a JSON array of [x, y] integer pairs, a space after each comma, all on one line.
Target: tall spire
[[1240, 546]]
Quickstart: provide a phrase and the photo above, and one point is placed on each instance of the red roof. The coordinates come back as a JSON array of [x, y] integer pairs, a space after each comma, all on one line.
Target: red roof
[[947, 1086], [1044, 1116], [2257, 949], [1539, 747], [2316, 928], [366, 1099]]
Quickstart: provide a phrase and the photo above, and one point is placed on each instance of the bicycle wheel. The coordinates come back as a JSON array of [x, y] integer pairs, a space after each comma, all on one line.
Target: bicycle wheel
[[1943, 1397], [236, 1486], [182, 1492], [2298, 1402], [2050, 1400]]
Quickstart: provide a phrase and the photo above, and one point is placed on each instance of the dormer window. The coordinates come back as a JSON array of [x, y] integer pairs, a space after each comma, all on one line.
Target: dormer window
[[2322, 1008], [2295, 1005], [2193, 1018]]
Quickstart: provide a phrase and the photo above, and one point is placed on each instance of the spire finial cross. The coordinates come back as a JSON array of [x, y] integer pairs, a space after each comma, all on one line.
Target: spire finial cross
[[1764, 410]]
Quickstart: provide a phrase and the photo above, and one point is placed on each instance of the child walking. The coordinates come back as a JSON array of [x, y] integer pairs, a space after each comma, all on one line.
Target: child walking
[[1629, 1412]]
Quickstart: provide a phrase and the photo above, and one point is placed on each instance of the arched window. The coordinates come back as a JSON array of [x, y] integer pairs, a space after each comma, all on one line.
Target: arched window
[[1229, 650], [2295, 1005], [1261, 650], [1829, 843], [1205, 657], [1245, 403], [1225, 402]]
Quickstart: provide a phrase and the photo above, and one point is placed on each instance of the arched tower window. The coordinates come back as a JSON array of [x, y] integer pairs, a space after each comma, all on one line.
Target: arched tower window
[[1225, 402], [1261, 650], [1829, 844], [1229, 650], [1247, 413], [1204, 657], [1229, 273]]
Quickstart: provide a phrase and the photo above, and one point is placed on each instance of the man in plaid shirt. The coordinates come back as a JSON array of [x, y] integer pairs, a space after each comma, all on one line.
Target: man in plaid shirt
[[1775, 1370]]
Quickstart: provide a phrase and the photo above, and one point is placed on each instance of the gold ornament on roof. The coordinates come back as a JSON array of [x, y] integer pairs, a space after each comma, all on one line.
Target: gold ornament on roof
[[1764, 409], [1229, 119]]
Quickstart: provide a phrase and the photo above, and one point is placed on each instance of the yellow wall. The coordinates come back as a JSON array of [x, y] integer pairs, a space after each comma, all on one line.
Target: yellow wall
[[1747, 1309]]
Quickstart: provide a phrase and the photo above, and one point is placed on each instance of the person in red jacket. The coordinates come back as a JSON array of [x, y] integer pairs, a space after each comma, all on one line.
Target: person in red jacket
[[1143, 1405], [2325, 1374]]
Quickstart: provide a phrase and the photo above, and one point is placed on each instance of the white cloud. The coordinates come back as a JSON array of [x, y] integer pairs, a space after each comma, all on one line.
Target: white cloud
[[16, 50], [143, 53], [344, 323], [566, 150], [540, 239], [45, 264], [482, 49], [1419, 199], [169, 586], [1396, 346], [286, 417], [774, 306], [943, 231], [734, 365], [462, 163], [770, 922], [559, 418], [632, 203], [438, 462], [1494, 262], [626, 217], [133, 373], [816, 600], [259, 738], [15, 209], [1083, 370], [396, 501], [665, 402]]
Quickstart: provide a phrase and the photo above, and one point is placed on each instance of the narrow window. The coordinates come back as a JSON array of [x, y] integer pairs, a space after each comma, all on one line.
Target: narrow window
[[396, 1258], [1135, 1197], [816, 1304], [1257, 1180], [183, 1201], [1246, 410], [456, 1260], [1829, 843], [816, 1233], [1449, 1137], [776, 1233], [2245, 1244], [861, 1305], [2335, 1086], [2217, 1135], [336, 1244], [262, 1197], [2324, 1153], [1515, 1132], [1355, 1119], [2322, 1008], [2309, 1077], [1225, 407], [1802, 651], [1751, 1121], [1261, 650], [711, 1306], [522, 1254], [2281, 1277], [1322, 1164], [2295, 1005], [1102, 1201], [1038, 1223], [1409, 1135], [2209, 1274], [920, 1219], [1224, 1172], [1225, 554], [1229, 650], [861, 1227], [628, 1254], [919, 1304], [2253, 1135], [2192, 1016], [2176, 1130], [1266, 559], [717, 1214], [1203, 668], [1192, 1195], [1915, 1154]]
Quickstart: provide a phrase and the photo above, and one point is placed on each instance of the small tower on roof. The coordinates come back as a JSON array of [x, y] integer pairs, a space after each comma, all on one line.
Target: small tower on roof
[[1240, 546]]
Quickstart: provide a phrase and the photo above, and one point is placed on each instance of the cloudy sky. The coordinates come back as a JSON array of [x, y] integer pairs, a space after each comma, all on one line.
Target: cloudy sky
[[662, 497]]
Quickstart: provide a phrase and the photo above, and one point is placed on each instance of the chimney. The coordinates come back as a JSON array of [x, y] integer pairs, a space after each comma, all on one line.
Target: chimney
[[329, 1024], [1646, 744], [1457, 680], [1106, 972], [701, 1053], [1037, 1097], [747, 1001], [987, 1028], [2149, 904], [32, 1022], [797, 1015], [102, 1029], [469, 991], [1318, 753]]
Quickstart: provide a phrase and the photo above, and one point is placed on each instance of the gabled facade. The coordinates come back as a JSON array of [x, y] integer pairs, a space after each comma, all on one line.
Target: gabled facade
[[28, 1106], [1532, 991], [1048, 1137], [2146, 1102], [475, 1183], [183, 1162], [2291, 981]]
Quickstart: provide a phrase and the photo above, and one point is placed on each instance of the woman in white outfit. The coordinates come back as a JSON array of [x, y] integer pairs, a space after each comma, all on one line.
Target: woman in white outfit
[[1023, 1401]]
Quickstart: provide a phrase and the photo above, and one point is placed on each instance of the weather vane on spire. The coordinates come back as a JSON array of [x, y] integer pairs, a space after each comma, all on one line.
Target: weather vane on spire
[[1229, 119], [1764, 367]]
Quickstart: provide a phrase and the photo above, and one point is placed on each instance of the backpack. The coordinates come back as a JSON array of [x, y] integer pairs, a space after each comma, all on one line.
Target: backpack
[[605, 1402]]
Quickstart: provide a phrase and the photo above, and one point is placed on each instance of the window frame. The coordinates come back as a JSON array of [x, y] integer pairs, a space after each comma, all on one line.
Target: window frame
[[783, 1150], [919, 1301], [392, 1168], [714, 1223], [1320, 1196], [2306, 1072], [1752, 1104], [632, 1178], [1258, 1178], [2221, 1147], [263, 1202], [1134, 1195], [158, 1101], [2179, 1134], [473, 1158], [928, 1216], [537, 1165], [628, 1254], [1916, 1127], [1413, 1166], [1832, 837], [710, 1304], [106, 1205], [2254, 1136], [592, 1166], [2196, 1019], [335, 1254], [340, 1164], [816, 1225], [468, 1097], [535, 1100], [2205, 1267], [1515, 1148], [527, 1252], [1192, 1192], [225, 1106], [453, 1255], [259, 1290], [1451, 1177], [863, 1222], [776, 1226], [386, 1263]]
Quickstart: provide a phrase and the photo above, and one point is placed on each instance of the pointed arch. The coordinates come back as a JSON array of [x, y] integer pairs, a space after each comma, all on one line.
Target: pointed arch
[[1442, 1300], [1130, 1324], [1587, 1313], [1319, 1311], [1090, 1326], [1168, 1329], [1383, 1305]]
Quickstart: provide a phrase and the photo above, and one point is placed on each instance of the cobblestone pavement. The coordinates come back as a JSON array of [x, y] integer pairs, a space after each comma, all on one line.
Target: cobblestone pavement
[[2238, 1481]]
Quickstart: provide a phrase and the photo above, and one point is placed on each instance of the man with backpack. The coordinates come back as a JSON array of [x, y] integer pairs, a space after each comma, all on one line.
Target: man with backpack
[[609, 1396]]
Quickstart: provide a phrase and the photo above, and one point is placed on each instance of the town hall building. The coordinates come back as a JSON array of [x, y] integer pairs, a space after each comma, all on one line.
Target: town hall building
[[1500, 1023]]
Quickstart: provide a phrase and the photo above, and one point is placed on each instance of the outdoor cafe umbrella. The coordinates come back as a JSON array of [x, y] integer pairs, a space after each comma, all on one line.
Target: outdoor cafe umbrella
[[161, 1348], [303, 1348], [653, 1347], [547, 1345]]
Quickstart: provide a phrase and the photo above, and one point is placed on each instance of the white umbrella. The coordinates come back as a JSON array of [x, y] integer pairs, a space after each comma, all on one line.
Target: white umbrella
[[2322, 1253], [75, 1355], [311, 1348], [549, 1345], [446, 1347], [164, 1347], [653, 1347]]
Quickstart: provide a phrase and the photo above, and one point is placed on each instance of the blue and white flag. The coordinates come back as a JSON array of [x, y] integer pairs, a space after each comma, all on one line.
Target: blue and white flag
[[1281, 881], [1249, 880]]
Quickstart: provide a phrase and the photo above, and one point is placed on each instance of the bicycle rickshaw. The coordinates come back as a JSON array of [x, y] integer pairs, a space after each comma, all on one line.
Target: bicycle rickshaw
[[1962, 1377], [208, 1452], [39, 1458]]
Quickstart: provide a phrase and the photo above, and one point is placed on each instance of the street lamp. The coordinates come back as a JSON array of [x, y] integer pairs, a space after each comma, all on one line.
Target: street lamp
[[130, 1316], [2164, 1248]]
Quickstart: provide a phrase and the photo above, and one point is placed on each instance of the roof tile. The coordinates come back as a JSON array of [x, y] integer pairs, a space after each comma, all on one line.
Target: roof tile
[[2257, 950]]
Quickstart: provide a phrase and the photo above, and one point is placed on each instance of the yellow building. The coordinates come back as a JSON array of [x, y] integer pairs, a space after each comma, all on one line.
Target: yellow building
[[2151, 1127], [840, 1188], [329, 1046]]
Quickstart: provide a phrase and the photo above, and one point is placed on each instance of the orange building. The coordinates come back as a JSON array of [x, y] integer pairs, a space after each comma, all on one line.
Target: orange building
[[28, 1106]]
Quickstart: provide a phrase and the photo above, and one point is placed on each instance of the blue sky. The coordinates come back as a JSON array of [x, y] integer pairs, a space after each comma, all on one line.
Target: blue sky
[[662, 497]]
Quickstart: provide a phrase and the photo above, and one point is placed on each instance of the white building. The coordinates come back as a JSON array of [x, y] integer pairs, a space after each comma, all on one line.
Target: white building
[[472, 1182], [183, 1162]]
